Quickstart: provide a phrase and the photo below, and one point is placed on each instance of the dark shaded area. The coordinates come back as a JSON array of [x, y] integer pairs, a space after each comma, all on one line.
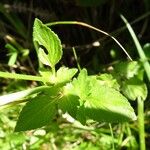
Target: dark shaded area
[[103, 15]]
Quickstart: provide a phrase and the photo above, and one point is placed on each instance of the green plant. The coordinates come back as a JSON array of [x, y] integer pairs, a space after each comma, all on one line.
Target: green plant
[[139, 90], [84, 97], [130, 77]]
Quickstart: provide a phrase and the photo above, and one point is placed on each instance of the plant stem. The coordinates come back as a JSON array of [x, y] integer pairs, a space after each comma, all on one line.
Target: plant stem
[[22, 77], [90, 27], [129, 135], [120, 138], [112, 135], [141, 123], [53, 71], [76, 58]]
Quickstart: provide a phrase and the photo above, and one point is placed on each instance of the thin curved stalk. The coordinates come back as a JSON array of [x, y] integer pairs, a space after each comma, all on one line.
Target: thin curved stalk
[[90, 27], [76, 58]]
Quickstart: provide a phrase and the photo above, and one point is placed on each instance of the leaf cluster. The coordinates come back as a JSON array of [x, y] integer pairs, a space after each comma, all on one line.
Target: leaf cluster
[[84, 97]]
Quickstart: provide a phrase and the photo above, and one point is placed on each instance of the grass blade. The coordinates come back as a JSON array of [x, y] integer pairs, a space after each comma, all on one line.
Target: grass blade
[[139, 47]]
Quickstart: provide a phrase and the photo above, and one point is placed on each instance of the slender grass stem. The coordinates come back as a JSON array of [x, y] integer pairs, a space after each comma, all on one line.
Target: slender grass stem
[[120, 138], [53, 71], [141, 123], [139, 48], [90, 27], [130, 135], [147, 70], [76, 58], [112, 135]]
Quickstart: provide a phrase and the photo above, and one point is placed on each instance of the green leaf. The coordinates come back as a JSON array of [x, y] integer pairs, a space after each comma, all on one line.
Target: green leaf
[[12, 59], [134, 88], [98, 101], [49, 42], [68, 103], [108, 80], [47, 74], [65, 74], [146, 50], [82, 84], [13, 53], [127, 69], [38, 112], [44, 57], [16, 138], [107, 104]]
